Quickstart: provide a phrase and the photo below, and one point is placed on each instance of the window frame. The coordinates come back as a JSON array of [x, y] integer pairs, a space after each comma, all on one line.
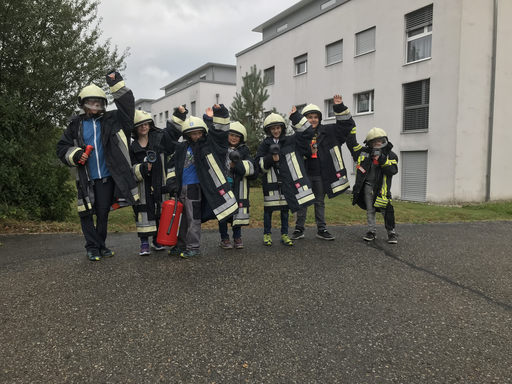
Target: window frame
[[273, 68], [425, 83], [374, 28], [327, 54], [297, 61], [329, 106], [427, 25], [371, 103]]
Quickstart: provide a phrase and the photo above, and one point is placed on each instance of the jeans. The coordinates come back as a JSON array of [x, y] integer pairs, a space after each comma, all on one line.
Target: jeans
[[319, 191], [267, 222], [223, 229]]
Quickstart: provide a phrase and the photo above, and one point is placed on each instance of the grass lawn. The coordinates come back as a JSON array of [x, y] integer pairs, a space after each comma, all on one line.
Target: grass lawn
[[338, 211]]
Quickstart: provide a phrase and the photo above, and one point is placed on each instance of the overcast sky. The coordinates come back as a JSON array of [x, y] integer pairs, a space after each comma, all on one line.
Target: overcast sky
[[169, 38]]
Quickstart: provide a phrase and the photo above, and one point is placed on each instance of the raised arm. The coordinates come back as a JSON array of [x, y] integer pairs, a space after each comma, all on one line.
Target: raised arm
[[124, 100]]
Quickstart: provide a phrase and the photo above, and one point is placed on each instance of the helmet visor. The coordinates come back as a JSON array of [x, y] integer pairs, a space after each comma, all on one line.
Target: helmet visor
[[94, 103]]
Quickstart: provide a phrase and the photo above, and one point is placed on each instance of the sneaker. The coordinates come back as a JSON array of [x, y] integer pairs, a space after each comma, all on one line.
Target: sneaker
[[370, 236], [144, 249], [190, 253], [267, 239], [324, 235], [93, 255], [105, 252], [156, 246], [176, 250], [238, 243], [285, 239], [297, 234], [225, 244], [392, 238]]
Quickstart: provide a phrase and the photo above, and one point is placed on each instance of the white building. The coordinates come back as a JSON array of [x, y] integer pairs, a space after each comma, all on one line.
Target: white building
[[144, 104], [207, 85], [423, 70]]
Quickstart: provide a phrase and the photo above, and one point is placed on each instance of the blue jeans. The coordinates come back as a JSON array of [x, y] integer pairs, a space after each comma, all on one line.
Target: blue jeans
[[223, 229], [267, 222]]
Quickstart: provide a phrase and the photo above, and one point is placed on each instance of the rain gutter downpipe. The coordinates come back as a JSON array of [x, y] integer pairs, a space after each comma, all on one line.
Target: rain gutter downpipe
[[491, 102]]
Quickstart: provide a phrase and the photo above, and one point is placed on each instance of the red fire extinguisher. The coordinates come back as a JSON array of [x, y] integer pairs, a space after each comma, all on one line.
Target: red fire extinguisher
[[170, 221]]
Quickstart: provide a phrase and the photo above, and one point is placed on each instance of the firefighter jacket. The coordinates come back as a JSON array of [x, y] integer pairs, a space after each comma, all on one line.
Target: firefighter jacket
[[209, 153], [329, 139], [285, 182], [386, 167], [116, 127], [152, 184]]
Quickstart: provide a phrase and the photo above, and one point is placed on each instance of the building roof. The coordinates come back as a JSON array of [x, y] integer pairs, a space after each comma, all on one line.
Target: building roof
[[282, 15], [198, 70]]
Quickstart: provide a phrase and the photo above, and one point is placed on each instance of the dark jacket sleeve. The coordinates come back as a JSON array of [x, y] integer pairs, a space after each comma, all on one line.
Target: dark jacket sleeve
[[125, 103], [246, 167], [67, 152]]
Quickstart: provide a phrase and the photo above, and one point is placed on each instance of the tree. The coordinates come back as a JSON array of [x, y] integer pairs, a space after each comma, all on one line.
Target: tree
[[49, 50], [247, 107]]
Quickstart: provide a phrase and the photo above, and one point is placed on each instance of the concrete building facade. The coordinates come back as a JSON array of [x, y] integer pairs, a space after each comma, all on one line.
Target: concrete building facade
[[144, 104], [435, 74], [209, 84]]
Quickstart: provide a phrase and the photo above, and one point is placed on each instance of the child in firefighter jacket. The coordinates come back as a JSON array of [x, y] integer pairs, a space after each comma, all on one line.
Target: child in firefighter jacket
[[376, 165], [238, 168], [148, 154], [285, 183], [324, 163], [195, 175], [104, 178]]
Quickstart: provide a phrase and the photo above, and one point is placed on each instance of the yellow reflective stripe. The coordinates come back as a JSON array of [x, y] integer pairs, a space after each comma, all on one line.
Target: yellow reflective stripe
[[301, 122], [81, 208], [227, 212], [296, 165], [123, 138], [345, 112], [389, 163], [177, 120], [269, 177], [246, 191], [241, 222], [353, 131], [146, 229], [338, 157], [216, 169], [221, 120], [341, 187], [357, 147], [117, 87], [276, 203], [136, 197], [384, 191], [247, 167], [171, 174], [360, 159], [306, 199], [70, 157], [138, 174]]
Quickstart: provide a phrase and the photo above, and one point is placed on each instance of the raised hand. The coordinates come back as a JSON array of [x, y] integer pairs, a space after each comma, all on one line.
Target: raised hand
[[337, 99], [181, 109], [294, 109], [209, 112]]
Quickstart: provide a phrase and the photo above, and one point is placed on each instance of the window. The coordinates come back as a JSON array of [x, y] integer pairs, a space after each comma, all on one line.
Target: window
[[364, 102], [161, 117], [172, 90], [301, 64], [282, 27], [139, 107], [203, 76], [189, 82], [416, 105], [154, 117], [300, 107], [414, 175], [329, 108], [418, 27], [327, 4], [334, 52], [166, 115], [365, 41], [269, 74], [193, 108]]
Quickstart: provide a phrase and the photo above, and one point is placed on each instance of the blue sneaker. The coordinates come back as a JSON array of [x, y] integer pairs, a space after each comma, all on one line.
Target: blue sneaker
[[190, 253], [156, 246], [176, 250], [144, 249]]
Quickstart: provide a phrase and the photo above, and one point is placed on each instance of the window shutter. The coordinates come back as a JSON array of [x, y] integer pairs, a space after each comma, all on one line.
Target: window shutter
[[420, 18], [270, 73], [414, 176], [365, 41], [334, 52], [416, 105]]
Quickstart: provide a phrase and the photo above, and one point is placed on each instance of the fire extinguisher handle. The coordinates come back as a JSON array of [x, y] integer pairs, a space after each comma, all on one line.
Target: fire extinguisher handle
[[173, 214]]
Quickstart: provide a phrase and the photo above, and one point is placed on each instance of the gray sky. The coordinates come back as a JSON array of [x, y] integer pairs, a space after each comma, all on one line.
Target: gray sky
[[169, 38]]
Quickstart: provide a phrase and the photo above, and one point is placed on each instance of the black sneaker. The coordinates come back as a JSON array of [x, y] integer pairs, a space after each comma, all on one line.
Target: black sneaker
[[370, 236], [324, 235], [93, 255], [392, 238], [105, 252], [297, 234]]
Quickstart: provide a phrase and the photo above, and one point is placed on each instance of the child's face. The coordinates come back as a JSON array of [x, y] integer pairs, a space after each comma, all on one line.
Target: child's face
[[376, 143], [275, 131], [196, 135], [313, 119], [143, 129], [233, 139]]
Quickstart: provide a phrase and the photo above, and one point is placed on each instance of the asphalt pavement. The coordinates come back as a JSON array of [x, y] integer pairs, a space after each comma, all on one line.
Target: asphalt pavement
[[435, 308]]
